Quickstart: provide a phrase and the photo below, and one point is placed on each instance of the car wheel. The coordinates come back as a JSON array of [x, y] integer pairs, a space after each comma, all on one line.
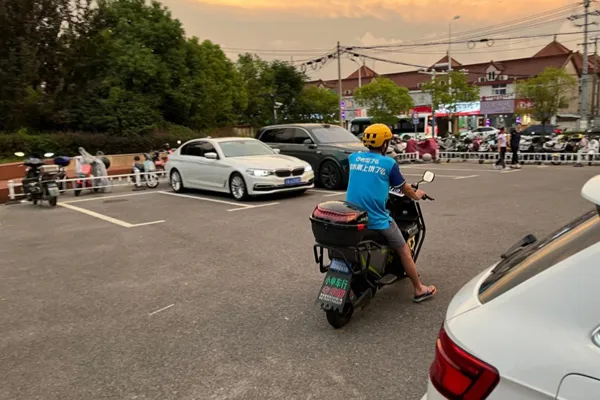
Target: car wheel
[[237, 187], [330, 176], [176, 182]]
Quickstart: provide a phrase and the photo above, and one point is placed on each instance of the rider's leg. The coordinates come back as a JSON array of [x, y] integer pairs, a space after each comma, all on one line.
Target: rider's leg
[[396, 241]]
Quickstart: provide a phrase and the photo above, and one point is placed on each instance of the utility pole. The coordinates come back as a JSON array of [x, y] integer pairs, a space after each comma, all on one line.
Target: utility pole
[[595, 87], [584, 74], [433, 73], [450, 62], [339, 59], [584, 77]]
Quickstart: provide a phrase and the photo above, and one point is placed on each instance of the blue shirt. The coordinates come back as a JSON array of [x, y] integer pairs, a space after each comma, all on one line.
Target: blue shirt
[[371, 176]]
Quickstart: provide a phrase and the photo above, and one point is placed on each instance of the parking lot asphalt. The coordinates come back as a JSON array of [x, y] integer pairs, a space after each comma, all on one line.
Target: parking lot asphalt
[[149, 295]]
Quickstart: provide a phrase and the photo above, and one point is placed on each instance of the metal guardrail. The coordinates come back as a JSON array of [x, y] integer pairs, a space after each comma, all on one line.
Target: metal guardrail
[[135, 179], [407, 157], [524, 158]]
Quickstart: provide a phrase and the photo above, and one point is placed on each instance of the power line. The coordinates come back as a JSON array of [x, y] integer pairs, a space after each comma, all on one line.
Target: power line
[[489, 41]]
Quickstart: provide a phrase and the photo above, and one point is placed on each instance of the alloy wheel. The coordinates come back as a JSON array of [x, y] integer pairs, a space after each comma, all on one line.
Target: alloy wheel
[[238, 187]]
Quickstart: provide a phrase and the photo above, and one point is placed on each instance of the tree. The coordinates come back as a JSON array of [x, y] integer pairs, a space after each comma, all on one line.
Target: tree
[[449, 90], [267, 84], [549, 92], [384, 100], [316, 105]]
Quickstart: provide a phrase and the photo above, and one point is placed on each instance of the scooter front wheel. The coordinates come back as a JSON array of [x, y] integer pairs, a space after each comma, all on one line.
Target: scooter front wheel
[[52, 201], [339, 319]]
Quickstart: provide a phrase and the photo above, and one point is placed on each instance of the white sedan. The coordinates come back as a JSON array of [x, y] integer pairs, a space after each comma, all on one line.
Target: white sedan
[[528, 327], [243, 167]]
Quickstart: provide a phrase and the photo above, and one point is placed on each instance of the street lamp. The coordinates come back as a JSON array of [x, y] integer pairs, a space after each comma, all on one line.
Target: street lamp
[[359, 71], [450, 42], [450, 60], [276, 106]]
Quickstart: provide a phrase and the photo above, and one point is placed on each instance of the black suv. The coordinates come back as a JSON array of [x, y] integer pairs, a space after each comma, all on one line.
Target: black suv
[[325, 147]]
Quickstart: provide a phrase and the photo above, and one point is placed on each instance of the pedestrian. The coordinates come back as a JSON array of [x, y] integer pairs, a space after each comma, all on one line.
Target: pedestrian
[[501, 140], [515, 141]]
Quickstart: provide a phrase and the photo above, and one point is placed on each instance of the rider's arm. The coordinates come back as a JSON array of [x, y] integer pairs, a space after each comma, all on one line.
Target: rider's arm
[[397, 180]]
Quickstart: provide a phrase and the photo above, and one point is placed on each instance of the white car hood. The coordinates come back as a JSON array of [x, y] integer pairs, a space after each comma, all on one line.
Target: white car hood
[[275, 161]]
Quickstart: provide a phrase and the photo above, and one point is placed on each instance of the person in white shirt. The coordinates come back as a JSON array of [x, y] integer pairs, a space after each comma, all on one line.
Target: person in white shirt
[[501, 140]]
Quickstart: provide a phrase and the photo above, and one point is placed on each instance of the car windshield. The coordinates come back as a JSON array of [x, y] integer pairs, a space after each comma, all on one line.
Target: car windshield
[[242, 148], [542, 255], [334, 134]]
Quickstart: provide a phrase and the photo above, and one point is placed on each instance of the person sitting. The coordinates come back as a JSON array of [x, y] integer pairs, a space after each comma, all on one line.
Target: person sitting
[[371, 175]]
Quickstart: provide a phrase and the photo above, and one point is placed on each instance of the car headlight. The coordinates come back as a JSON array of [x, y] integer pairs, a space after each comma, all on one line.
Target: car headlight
[[308, 168], [259, 172]]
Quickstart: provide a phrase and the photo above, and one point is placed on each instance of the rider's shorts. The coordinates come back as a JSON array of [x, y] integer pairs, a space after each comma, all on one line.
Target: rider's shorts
[[393, 236]]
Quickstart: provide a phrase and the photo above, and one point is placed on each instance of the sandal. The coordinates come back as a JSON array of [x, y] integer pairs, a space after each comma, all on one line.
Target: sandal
[[431, 291]]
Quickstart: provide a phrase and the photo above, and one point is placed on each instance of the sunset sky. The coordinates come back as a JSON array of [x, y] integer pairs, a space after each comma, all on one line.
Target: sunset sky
[[306, 29]]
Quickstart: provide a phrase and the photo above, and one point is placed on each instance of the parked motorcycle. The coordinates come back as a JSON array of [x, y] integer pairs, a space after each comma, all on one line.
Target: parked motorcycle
[[557, 146], [39, 183], [361, 261], [147, 171], [91, 172], [61, 176]]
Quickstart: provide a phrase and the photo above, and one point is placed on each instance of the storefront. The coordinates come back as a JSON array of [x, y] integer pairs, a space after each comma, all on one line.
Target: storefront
[[523, 109], [499, 112], [468, 116]]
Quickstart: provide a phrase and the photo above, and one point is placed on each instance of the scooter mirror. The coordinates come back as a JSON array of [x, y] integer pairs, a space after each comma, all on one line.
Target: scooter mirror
[[48, 155], [428, 176], [20, 154]]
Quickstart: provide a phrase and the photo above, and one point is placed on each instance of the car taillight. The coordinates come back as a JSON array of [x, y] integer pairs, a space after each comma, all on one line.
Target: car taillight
[[458, 375]]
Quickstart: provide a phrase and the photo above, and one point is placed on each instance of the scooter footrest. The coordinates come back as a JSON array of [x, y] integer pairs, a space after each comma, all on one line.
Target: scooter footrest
[[388, 279]]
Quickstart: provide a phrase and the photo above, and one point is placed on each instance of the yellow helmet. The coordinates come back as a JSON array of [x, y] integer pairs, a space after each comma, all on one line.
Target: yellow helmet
[[375, 135]]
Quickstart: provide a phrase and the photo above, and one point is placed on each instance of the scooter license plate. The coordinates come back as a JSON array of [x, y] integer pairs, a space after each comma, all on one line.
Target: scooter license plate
[[334, 290], [53, 190]]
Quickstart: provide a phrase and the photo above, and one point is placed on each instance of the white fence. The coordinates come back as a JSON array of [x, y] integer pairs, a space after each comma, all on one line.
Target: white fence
[[136, 179]]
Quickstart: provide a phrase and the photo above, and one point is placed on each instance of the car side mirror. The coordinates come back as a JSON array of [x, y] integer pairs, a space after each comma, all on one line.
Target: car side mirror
[[308, 141], [211, 156], [428, 176], [277, 151]]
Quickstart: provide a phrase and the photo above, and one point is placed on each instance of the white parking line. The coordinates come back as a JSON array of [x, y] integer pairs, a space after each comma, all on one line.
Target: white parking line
[[465, 177], [250, 207], [106, 217], [444, 176], [162, 309], [107, 197], [508, 172], [319, 191], [447, 169], [334, 194], [207, 199]]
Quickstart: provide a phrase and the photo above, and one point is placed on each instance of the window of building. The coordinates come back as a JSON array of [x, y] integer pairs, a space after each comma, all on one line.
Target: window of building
[[498, 90], [491, 75]]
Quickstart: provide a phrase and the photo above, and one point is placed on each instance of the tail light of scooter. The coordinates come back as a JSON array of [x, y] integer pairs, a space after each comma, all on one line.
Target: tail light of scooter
[[340, 217], [458, 375]]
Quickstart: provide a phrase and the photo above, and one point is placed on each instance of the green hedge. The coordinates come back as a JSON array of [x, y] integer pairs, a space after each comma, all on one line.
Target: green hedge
[[67, 143]]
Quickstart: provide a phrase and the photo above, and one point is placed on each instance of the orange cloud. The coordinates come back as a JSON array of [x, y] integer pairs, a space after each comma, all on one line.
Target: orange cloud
[[409, 10]]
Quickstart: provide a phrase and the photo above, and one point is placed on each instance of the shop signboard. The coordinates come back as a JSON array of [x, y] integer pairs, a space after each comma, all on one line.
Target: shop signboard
[[461, 109], [523, 105], [493, 107]]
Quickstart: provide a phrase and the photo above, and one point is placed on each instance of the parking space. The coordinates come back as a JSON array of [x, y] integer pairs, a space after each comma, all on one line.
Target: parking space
[[197, 296]]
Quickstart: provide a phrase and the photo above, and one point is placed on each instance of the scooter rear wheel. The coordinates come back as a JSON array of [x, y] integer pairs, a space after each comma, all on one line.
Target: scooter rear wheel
[[52, 201], [340, 319]]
